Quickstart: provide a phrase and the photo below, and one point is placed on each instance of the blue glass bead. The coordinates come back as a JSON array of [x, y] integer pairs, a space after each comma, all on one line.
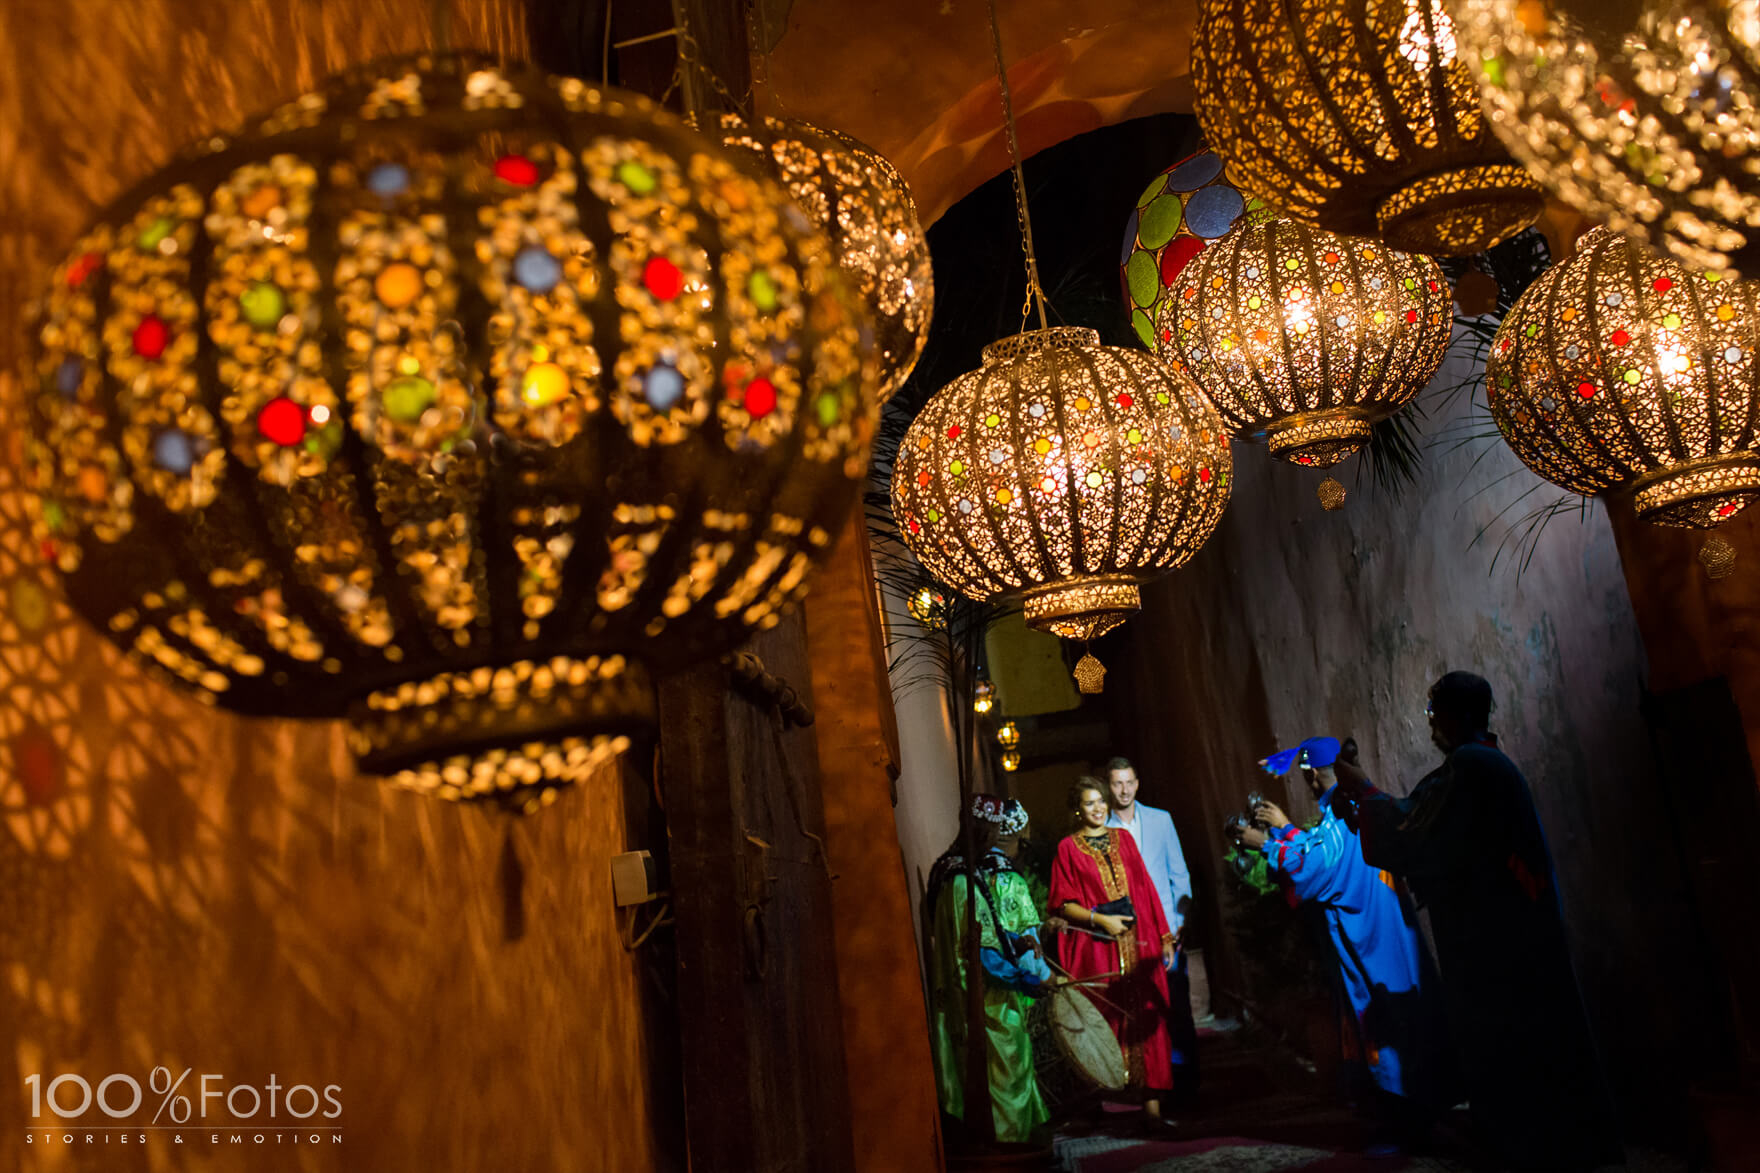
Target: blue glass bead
[[388, 179], [535, 269], [68, 376], [662, 385], [174, 451]]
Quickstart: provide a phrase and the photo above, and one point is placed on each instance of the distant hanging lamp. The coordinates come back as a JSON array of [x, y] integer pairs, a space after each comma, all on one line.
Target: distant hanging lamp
[[1062, 473], [864, 206], [1183, 209], [455, 399], [1304, 339], [983, 695], [1649, 121], [1620, 370], [1360, 117]]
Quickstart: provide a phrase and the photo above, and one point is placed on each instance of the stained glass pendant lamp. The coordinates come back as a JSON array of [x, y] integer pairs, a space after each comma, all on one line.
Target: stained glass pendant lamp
[[864, 206], [1649, 122], [1621, 371], [1360, 117], [455, 399], [1062, 473], [1304, 338], [1183, 209]]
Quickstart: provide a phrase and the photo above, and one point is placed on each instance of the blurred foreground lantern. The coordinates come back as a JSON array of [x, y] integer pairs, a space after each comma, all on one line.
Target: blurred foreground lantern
[[1063, 473], [865, 208], [1305, 338], [1650, 124], [454, 399], [1358, 116], [1620, 370], [1183, 209]]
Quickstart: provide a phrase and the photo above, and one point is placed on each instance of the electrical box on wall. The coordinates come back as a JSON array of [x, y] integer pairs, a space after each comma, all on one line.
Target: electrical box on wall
[[633, 879]]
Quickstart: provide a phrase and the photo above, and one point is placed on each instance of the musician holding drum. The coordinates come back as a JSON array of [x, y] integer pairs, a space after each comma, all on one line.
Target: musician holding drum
[[1118, 931]]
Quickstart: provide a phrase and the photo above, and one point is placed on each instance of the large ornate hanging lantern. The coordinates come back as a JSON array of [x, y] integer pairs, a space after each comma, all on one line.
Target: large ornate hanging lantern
[[1358, 116], [1621, 371], [1651, 124], [1304, 338], [1183, 209], [1063, 473], [865, 207], [457, 400]]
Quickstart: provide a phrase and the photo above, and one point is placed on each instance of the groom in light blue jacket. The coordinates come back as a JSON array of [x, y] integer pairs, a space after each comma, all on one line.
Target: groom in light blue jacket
[[1152, 828]]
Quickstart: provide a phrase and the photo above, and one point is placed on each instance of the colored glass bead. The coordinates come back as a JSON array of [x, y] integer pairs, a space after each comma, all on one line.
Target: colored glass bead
[[174, 451], [82, 267], [762, 289], [68, 376], [388, 179], [92, 484], [261, 202], [399, 284], [154, 233], [662, 386], [151, 337], [282, 421], [516, 170], [543, 384], [760, 398], [635, 177], [534, 268], [662, 278], [407, 397], [828, 409], [263, 305]]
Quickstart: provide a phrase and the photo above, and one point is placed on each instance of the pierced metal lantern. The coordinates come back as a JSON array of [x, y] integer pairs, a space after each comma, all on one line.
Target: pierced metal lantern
[[1183, 209], [865, 207], [1008, 736], [1622, 371], [1304, 338], [455, 399], [1359, 116], [1651, 125], [983, 695], [1063, 473]]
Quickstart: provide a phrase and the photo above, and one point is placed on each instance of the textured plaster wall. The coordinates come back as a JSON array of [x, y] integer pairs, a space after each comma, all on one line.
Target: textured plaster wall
[[1294, 622]]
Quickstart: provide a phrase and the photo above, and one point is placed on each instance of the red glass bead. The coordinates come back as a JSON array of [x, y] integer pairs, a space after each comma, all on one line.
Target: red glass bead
[[1124, 399], [151, 336], [82, 267], [662, 278], [1586, 390], [953, 432], [1620, 338], [517, 170], [282, 421], [1204, 475], [1411, 315], [1727, 509], [760, 398], [1662, 285]]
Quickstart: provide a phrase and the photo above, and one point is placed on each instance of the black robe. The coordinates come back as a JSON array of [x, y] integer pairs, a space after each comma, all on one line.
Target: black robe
[[1469, 842]]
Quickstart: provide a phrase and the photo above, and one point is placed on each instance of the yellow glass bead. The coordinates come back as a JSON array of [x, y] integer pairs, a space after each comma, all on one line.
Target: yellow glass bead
[[544, 384]]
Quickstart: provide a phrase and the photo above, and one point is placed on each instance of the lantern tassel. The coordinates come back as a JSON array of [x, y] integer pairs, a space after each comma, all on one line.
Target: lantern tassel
[[1090, 674]]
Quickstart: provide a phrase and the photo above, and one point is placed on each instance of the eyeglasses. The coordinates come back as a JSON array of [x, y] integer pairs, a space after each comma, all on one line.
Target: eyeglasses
[[1429, 709]]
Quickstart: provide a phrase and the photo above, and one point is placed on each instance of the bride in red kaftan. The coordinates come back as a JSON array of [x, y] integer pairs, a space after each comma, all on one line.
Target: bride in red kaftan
[[1097, 866]]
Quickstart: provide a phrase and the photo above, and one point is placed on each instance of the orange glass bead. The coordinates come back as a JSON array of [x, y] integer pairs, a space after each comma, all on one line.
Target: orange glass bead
[[398, 285]]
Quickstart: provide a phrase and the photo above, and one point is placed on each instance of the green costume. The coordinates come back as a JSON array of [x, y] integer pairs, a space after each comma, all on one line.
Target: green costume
[[1014, 1091]]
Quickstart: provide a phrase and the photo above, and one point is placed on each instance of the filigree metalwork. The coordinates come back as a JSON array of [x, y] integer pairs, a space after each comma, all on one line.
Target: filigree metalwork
[[464, 370], [1305, 338], [1622, 370], [1063, 473], [1360, 117], [1651, 124]]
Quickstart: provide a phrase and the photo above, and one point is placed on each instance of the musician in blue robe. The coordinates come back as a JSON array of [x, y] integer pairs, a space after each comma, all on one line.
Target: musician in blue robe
[[1387, 974], [1469, 841]]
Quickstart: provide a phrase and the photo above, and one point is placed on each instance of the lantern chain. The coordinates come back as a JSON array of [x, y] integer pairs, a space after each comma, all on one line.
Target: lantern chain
[[1035, 291]]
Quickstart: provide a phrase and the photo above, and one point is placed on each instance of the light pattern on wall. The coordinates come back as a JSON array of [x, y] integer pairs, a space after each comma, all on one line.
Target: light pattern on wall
[[865, 208], [1062, 473], [1305, 338], [455, 399], [1622, 370], [1652, 126], [1360, 117], [1183, 209]]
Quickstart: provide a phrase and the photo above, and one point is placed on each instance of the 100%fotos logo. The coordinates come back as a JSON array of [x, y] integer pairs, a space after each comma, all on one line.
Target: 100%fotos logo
[[119, 1096]]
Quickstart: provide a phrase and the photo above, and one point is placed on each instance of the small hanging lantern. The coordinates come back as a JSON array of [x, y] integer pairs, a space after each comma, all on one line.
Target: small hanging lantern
[[1011, 761], [864, 206], [1007, 736], [983, 695], [1718, 557], [1304, 338], [1331, 494], [1360, 117], [1183, 209], [1620, 370], [928, 607], [1090, 674], [1649, 123]]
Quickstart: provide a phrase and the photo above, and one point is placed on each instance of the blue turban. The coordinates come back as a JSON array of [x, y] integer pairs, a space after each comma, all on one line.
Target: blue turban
[[1316, 752]]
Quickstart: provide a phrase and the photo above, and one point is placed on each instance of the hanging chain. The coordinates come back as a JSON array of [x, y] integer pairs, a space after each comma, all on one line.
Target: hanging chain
[[691, 63], [1034, 289]]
